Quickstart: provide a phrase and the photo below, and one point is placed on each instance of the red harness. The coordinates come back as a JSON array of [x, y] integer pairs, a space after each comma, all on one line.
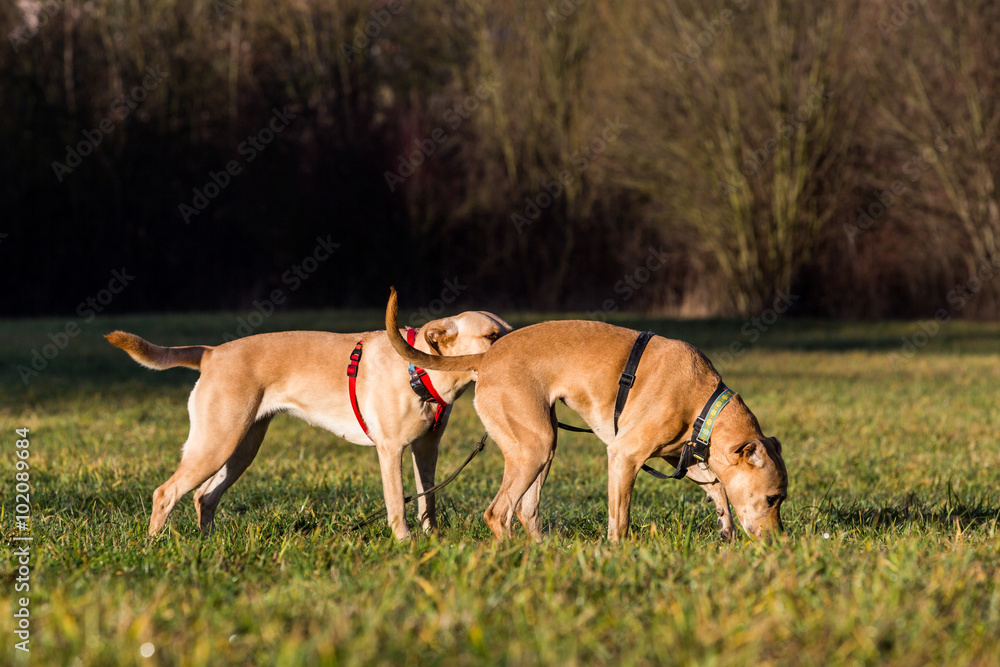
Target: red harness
[[352, 381], [420, 382]]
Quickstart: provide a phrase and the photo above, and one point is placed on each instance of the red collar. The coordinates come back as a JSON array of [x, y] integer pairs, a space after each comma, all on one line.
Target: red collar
[[421, 384]]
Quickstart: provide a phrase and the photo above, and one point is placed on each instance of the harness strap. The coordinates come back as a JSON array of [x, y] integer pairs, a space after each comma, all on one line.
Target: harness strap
[[627, 378], [422, 386], [352, 379]]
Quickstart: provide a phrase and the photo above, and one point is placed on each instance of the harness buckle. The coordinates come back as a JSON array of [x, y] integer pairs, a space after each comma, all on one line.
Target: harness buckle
[[699, 450], [627, 380], [352, 368]]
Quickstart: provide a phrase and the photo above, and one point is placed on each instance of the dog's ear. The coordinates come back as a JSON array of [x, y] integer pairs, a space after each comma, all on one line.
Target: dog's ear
[[440, 332], [752, 452], [776, 443]]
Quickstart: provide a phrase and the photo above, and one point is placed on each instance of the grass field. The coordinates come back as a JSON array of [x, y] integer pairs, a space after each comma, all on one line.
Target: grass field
[[891, 555]]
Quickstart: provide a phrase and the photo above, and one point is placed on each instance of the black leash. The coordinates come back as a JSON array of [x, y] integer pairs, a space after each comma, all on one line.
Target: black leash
[[576, 429], [451, 478]]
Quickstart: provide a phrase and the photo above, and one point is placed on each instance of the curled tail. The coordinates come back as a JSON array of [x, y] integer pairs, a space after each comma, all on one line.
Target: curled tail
[[156, 357], [467, 362]]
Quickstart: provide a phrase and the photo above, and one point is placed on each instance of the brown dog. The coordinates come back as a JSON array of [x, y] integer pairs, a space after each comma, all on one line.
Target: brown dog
[[244, 383], [522, 376]]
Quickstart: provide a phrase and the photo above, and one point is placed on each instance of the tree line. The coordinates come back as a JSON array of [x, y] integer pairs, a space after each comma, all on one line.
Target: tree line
[[843, 153]]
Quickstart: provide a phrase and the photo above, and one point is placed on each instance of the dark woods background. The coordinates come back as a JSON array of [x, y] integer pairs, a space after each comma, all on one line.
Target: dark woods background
[[539, 155]]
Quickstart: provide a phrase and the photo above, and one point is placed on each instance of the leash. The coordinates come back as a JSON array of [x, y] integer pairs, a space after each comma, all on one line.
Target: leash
[[451, 478], [576, 429], [695, 449]]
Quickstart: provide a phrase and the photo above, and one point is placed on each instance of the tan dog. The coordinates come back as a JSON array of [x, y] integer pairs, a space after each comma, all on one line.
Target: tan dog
[[523, 375], [244, 383]]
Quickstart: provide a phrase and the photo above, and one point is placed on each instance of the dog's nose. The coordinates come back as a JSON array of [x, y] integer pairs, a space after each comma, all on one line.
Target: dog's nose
[[770, 528]]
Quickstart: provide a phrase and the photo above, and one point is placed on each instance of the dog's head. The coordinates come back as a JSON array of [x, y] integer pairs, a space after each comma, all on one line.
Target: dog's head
[[757, 483], [471, 332]]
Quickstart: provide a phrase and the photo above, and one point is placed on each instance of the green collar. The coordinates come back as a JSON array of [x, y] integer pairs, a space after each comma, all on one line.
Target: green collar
[[705, 422]]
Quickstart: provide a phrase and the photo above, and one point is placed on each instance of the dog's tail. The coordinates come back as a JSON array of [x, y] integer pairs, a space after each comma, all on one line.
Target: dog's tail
[[156, 357], [467, 362]]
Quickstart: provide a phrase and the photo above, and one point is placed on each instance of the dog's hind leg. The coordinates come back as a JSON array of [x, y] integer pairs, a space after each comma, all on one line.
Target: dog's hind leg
[[425, 455], [207, 497], [527, 509], [528, 445], [219, 421], [517, 479]]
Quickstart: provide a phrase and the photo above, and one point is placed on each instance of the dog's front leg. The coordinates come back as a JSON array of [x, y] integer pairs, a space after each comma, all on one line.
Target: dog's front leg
[[710, 483], [717, 494], [390, 459], [622, 471], [425, 456]]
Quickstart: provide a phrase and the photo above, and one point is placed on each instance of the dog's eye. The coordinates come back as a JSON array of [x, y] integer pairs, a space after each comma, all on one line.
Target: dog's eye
[[773, 500], [494, 335]]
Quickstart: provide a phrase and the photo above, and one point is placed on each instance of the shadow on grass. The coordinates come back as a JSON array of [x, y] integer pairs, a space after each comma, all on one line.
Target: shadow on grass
[[908, 513]]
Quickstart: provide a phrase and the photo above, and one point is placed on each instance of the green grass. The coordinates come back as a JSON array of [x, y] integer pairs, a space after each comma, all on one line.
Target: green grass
[[891, 555]]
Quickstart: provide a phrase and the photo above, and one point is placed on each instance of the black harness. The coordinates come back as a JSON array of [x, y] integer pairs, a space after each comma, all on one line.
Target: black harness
[[696, 449]]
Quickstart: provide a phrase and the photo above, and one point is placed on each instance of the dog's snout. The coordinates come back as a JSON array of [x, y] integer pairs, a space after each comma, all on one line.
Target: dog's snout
[[770, 527]]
